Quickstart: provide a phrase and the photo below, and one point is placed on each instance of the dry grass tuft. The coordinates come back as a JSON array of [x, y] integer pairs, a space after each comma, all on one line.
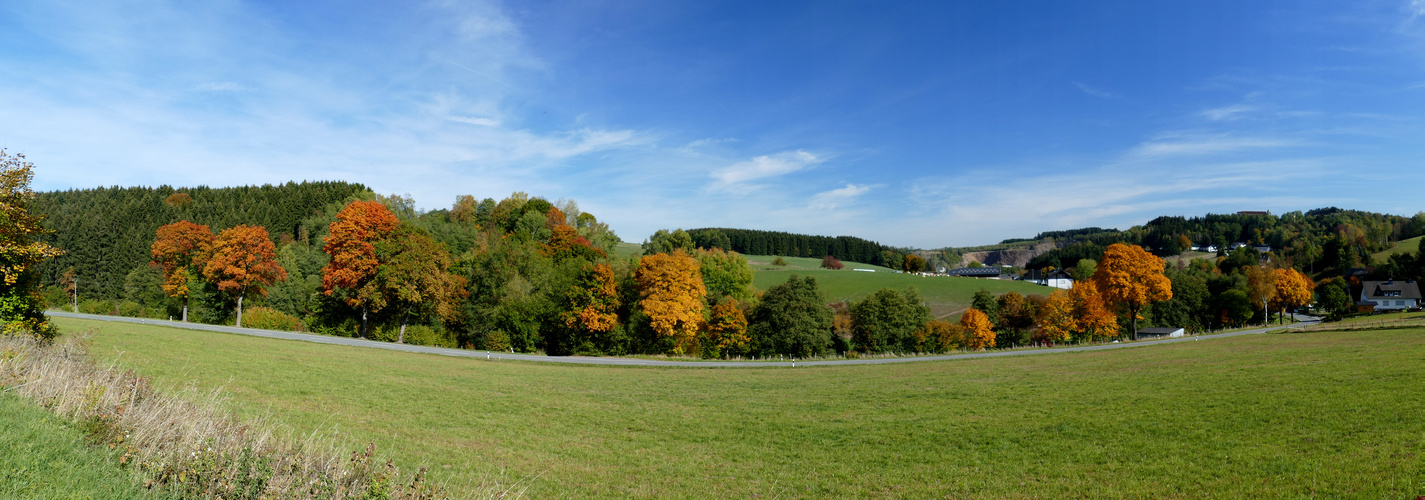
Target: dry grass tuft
[[186, 441]]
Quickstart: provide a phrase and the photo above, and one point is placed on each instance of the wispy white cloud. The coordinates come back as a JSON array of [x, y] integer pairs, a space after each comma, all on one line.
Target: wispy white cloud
[[829, 200], [1094, 92], [1228, 113], [738, 176], [1192, 145]]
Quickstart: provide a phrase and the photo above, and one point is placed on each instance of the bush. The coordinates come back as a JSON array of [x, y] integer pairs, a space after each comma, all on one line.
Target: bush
[[131, 309], [266, 318], [425, 335], [497, 340], [830, 262], [56, 298], [96, 307], [779, 261]]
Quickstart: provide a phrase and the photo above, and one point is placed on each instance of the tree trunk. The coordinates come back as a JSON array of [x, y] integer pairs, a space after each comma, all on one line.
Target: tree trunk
[[363, 322], [239, 311], [185, 311], [1134, 311], [401, 338]]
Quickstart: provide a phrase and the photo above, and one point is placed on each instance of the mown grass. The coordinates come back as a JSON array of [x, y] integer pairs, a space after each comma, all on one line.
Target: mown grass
[[947, 296], [1411, 245], [43, 457], [1330, 414]]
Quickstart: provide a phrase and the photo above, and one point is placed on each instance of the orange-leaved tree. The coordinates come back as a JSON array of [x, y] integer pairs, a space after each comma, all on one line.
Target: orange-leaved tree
[[593, 305], [413, 277], [1130, 278], [1058, 321], [940, 336], [1293, 290], [352, 248], [243, 262], [979, 333], [727, 330], [1092, 315], [671, 287], [182, 249]]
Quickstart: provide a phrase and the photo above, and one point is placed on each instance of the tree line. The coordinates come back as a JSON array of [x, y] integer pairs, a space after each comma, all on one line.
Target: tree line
[[755, 242]]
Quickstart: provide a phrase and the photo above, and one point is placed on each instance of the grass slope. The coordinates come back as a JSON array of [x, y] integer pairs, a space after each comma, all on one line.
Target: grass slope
[[1411, 245], [42, 457], [946, 296], [1330, 414]]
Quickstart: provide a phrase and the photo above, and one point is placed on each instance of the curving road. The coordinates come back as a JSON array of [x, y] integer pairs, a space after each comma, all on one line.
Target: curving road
[[586, 360]]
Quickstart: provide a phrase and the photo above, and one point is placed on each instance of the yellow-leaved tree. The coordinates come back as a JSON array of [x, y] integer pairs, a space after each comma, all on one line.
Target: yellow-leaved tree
[[1058, 321], [1128, 277], [979, 333], [21, 308], [671, 287], [1293, 290]]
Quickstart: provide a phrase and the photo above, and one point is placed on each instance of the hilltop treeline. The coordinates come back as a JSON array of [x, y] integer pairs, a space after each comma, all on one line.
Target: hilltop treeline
[[106, 232], [754, 242], [1321, 239]]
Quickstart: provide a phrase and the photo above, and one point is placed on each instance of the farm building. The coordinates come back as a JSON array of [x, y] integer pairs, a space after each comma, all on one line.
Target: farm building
[[1160, 333], [990, 272]]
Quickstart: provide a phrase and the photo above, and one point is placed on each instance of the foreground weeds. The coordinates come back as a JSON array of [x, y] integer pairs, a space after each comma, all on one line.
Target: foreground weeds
[[186, 441]]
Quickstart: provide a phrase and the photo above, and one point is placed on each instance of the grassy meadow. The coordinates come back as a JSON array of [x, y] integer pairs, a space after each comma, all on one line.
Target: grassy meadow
[[1411, 245], [946, 296], [44, 457], [1289, 415]]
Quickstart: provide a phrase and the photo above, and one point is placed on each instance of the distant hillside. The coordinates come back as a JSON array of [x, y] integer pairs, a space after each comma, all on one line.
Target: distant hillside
[[107, 232]]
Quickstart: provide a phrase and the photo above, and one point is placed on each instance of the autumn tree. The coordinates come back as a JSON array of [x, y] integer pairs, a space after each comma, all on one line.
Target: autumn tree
[[181, 249], [1293, 290], [727, 330], [1093, 316], [243, 262], [940, 336], [1016, 316], [829, 262], [1261, 288], [352, 248], [21, 307], [1129, 278], [591, 308], [913, 263], [979, 333], [671, 288], [413, 277], [1058, 321]]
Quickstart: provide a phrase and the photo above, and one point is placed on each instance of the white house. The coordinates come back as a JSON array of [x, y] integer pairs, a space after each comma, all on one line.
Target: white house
[[1056, 278], [1390, 295]]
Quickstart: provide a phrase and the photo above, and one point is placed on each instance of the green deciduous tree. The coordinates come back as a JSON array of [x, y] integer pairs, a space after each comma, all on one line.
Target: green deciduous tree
[[791, 319], [888, 320]]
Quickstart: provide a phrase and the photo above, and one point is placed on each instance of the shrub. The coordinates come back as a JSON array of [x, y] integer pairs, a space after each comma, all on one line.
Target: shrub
[[830, 262], [131, 309], [423, 335], [779, 261], [56, 298], [266, 318], [497, 340], [96, 307]]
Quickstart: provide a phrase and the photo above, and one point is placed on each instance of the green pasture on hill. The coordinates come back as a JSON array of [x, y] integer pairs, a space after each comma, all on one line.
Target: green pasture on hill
[[947, 296], [1331, 414], [1411, 245]]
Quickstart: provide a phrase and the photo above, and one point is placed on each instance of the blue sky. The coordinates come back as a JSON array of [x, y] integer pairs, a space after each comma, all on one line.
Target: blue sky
[[914, 124]]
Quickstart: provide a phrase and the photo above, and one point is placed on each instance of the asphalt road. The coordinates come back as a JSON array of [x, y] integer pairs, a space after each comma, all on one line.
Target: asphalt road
[[587, 360]]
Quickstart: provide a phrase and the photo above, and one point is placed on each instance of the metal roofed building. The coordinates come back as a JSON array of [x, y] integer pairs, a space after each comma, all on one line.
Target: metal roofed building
[[1056, 278], [991, 272]]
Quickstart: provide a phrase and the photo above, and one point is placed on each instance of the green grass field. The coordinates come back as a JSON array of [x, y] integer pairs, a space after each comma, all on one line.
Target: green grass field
[[1411, 245], [946, 296], [42, 457], [1334, 414]]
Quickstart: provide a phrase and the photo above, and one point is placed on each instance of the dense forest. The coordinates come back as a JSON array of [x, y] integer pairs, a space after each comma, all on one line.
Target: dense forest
[[754, 242], [106, 232]]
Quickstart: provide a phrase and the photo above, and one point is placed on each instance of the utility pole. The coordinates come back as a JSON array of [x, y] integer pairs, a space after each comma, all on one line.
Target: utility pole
[[75, 294]]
